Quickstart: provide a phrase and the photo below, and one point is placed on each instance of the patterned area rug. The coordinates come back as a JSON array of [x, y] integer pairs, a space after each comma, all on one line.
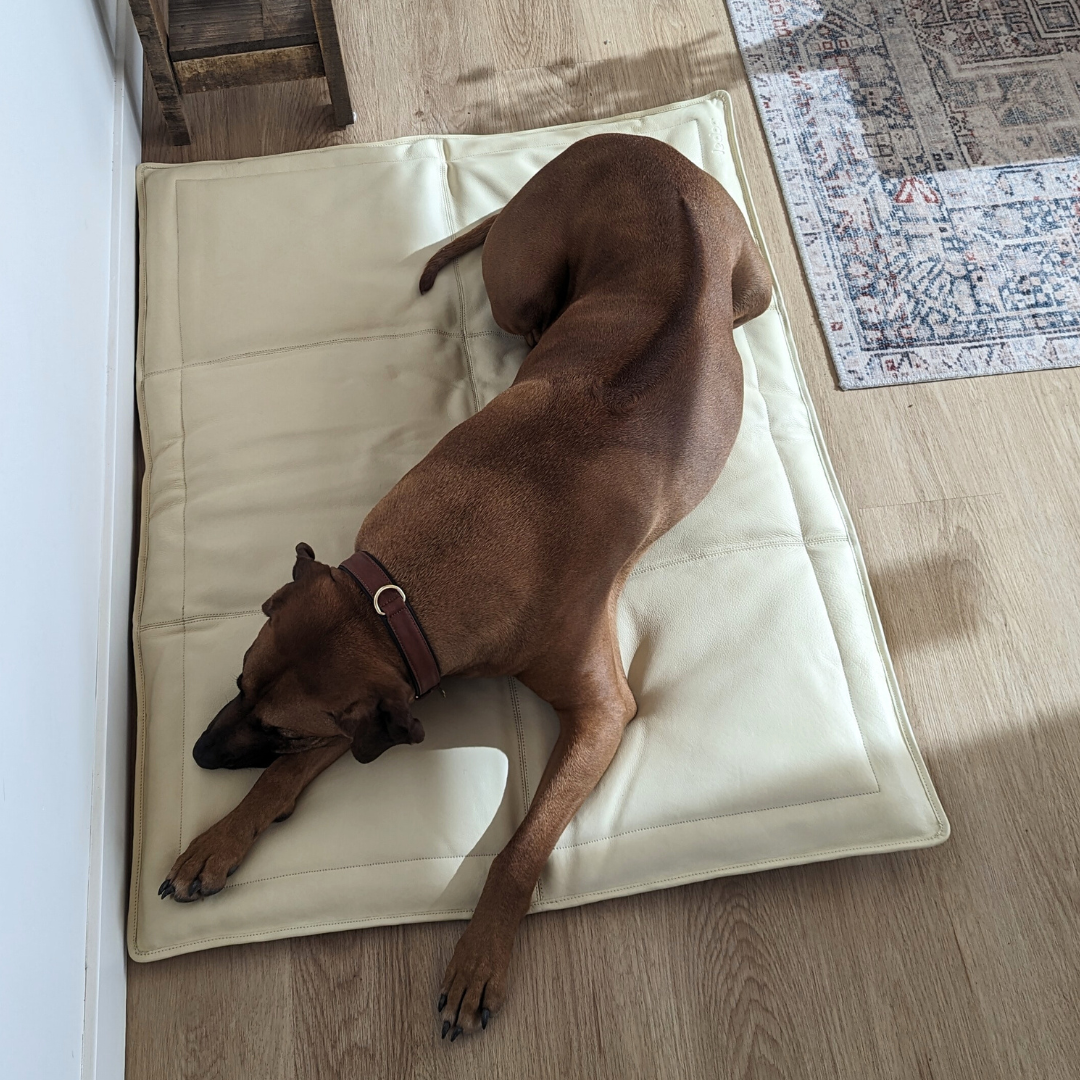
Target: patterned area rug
[[929, 152]]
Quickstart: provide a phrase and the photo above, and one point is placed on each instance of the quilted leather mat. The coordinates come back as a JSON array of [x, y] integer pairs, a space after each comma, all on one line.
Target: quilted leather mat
[[289, 372]]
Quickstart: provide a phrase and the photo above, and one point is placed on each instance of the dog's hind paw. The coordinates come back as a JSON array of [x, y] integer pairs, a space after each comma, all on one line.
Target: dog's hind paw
[[474, 987]]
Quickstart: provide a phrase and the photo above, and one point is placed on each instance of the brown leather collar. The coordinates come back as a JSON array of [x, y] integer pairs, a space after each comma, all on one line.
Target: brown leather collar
[[390, 602]]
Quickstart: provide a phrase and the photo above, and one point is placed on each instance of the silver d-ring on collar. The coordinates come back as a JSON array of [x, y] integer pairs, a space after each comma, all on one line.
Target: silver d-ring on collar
[[378, 592]]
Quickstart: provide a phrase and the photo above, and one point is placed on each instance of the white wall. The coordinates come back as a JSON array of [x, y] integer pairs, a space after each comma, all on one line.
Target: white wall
[[69, 140]]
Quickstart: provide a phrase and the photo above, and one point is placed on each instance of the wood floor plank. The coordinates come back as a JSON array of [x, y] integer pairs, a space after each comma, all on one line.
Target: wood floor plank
[[953, 963], [217, 1017]]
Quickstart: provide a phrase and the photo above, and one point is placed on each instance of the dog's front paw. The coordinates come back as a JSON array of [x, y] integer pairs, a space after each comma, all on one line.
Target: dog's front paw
[[203, 868], [474, 987]]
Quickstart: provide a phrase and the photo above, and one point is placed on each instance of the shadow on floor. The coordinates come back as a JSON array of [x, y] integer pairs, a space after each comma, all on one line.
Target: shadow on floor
[[566, 91]]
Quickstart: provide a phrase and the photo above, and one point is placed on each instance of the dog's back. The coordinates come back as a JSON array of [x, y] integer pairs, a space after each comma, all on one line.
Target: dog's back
[[628, 266]]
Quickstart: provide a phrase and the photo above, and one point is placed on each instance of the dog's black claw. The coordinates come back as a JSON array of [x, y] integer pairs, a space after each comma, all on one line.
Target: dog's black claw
[[445, 1028], [194, 887], [442, 1003], [485, 1016], [455, 1033], [166, 890]]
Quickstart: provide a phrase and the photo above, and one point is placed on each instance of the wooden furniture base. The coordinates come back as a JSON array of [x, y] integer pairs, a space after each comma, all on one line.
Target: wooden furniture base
[[216, 44]]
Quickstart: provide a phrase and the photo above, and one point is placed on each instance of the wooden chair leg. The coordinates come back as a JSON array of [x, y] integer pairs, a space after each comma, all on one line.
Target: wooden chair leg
[[333, 62], [151, 29]]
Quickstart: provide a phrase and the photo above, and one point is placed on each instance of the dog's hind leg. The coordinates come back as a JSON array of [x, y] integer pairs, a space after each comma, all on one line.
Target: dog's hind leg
[[593, 711], [751, 285], [526, 266]]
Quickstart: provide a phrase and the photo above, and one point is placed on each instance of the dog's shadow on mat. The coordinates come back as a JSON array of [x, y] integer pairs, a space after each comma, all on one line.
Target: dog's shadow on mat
[[475, 787]]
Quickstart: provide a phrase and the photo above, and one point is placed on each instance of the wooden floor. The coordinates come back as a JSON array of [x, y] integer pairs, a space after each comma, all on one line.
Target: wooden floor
[[956, 962]]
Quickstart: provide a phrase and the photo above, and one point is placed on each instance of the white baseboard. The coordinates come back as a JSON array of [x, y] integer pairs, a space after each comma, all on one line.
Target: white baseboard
[[105, 1002]]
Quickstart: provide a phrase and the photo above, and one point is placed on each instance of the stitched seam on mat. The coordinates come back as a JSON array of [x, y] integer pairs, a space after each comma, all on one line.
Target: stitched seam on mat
[[351, 339], [847, 680], [523, 762], [519, 731], [200, 618], [814, 570], [717, 817], [761, 864], [463, 320], [732, 549], [360, 866], [573, 139], [301, 926], [277, 350], [183, 547]]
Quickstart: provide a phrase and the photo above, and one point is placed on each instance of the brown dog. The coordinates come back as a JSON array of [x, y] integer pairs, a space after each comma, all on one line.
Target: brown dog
[[626, 266]]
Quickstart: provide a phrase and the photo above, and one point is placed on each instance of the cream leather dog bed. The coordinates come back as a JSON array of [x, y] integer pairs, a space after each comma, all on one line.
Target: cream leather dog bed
[[289, 374]]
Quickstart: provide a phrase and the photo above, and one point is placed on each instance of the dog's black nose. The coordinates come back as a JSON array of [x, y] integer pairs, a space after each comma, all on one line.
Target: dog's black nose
[[206, 757]]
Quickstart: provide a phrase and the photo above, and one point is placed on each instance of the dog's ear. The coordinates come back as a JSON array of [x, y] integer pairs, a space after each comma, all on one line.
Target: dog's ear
[[269, 605], [391, 724], [305, 561]]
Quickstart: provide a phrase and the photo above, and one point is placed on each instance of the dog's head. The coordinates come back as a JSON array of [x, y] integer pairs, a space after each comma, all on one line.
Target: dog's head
[[320, 670]]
